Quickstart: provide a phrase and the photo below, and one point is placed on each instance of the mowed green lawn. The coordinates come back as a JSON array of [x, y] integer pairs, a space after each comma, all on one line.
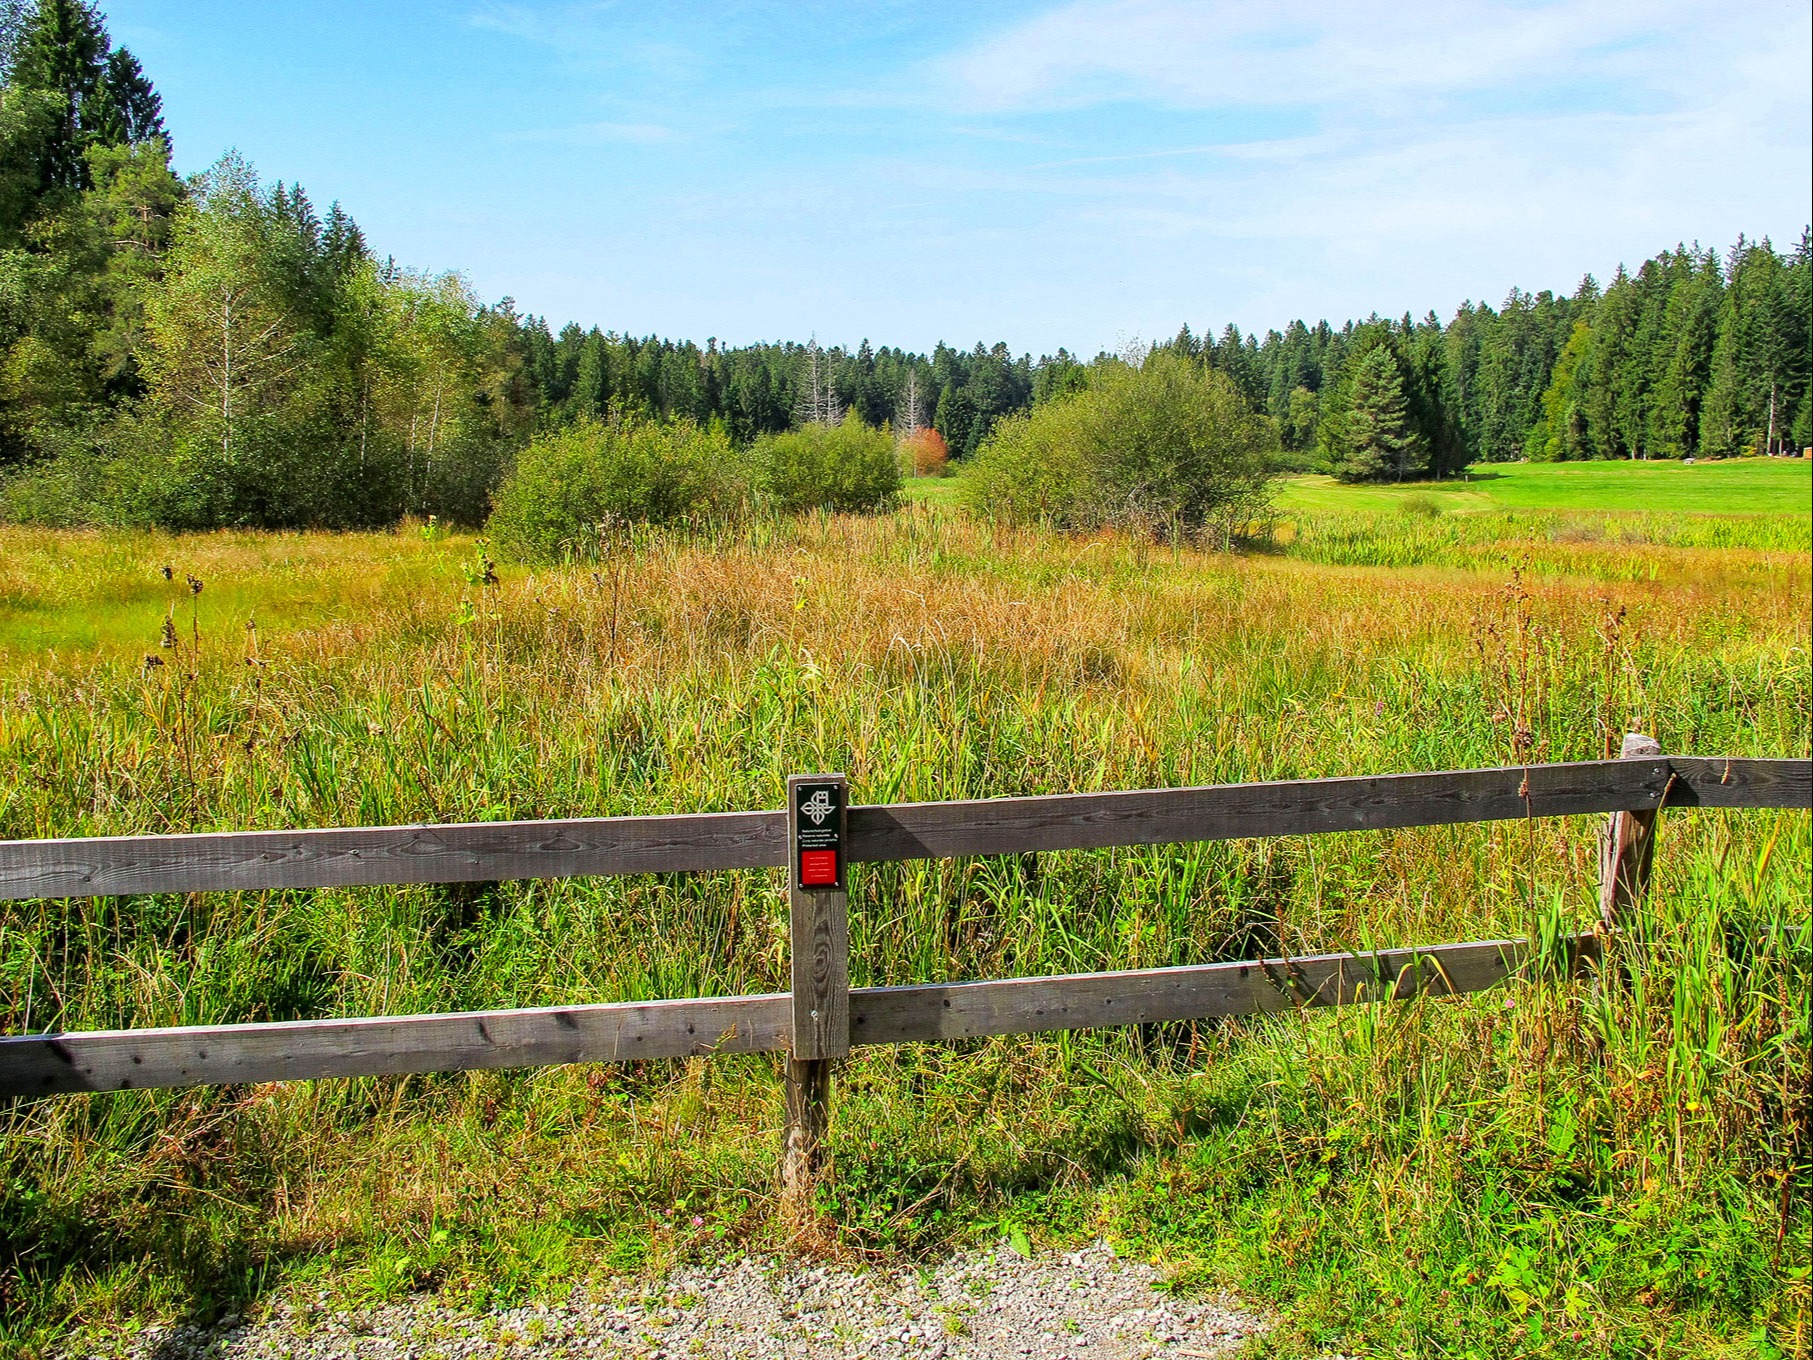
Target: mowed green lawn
[[1734, 487], [1748, 486]]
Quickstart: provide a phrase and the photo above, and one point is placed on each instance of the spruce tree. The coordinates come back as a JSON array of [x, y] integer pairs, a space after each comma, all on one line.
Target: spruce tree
[[1614, 321], [13, 14], [62, 50], [136, 103], [1377, 434]]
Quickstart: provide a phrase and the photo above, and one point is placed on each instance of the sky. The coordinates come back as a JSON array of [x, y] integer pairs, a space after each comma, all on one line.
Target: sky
[[1082, 175]]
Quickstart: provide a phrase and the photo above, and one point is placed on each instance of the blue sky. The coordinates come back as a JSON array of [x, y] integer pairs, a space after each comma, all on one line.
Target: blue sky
[[1078, 174]]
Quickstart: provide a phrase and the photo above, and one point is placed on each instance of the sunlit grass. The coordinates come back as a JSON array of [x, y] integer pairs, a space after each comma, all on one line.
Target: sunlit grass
[[1571, 1168], [1745, 486]]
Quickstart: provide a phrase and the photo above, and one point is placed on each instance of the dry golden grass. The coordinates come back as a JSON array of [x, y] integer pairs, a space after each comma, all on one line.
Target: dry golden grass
[[929, 657]]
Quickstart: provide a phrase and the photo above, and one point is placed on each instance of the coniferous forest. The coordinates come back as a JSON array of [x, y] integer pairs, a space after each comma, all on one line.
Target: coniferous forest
[[220, 351]]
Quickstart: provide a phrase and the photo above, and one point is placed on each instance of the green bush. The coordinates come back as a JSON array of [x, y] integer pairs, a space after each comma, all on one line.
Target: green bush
[[570, 484], [1420, 505], [849, 467], [1165, 447], [72, 485]]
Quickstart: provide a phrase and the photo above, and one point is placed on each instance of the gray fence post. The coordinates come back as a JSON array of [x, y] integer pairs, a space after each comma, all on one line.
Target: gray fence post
[[818, 903], [1627, 847]]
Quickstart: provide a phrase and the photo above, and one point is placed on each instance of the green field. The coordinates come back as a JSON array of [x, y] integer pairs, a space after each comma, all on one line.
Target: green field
[[1750, 486], [1618, 1166]]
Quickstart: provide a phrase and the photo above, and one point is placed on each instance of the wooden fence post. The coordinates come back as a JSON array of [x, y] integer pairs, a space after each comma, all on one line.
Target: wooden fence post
[[1627, 846], [818, 903]]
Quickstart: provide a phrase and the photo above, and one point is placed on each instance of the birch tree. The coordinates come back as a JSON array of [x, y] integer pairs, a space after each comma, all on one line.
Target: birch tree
[[223, 351]]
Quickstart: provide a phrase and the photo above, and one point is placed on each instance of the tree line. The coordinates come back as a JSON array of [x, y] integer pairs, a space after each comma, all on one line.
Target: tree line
[[767, 388], [1693, 354], [215, 350]]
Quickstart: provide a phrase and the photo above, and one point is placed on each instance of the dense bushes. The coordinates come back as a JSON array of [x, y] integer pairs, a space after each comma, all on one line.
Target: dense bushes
[[1161, 447], [273, 374], [570, 485], [848, 466]]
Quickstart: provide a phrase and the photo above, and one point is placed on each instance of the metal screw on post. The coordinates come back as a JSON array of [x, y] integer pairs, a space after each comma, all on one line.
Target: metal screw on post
[[818, 903]]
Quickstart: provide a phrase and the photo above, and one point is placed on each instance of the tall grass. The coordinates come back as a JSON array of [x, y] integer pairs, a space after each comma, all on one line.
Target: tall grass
[[1615, 1165]]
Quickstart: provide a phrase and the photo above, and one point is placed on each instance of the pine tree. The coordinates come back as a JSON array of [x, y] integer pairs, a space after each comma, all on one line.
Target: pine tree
[[62, 50], [1751, 384], [1562, 433], [138, 106], [13, 14], [911, 415], [1797, 395], [1376, 430], [590, 377], [817, 403], [955, 417], [1682, 356], [1614, 327]]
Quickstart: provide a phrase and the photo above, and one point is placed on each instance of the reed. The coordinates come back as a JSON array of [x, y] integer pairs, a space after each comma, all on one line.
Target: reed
[[1619, 1166]]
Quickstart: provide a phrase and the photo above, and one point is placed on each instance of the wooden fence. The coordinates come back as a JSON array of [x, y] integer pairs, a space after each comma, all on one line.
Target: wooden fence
[[822, 1017]]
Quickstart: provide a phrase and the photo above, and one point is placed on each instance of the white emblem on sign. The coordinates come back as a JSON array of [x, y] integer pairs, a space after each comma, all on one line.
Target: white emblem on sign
[[817, 807]]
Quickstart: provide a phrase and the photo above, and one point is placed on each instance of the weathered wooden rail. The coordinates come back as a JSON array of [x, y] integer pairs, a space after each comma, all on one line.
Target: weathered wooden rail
[[822, 1017]]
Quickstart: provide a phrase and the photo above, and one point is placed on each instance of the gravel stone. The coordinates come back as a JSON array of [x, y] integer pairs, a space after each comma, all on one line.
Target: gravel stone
[[1082, 1305]]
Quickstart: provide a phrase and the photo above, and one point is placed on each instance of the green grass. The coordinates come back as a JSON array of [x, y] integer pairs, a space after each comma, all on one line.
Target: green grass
[[1749, 486], [1619, 1166], [68, 595], [944, 492]]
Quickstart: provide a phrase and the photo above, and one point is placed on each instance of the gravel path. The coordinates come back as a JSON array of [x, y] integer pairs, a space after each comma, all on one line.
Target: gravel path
[[984, 1306]]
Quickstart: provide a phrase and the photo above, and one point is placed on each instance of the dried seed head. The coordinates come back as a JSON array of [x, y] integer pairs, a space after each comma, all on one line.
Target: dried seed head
[[153, 659], [168, 572], [169, 638], [194, 583]]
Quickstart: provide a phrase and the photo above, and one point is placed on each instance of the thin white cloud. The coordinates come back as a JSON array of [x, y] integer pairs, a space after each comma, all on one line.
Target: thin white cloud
[[541, 24], [596, 134], [1232, 53]]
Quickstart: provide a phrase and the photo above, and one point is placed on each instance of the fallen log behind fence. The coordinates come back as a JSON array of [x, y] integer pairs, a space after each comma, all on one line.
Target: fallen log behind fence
[[206, 1055], [690, 842]]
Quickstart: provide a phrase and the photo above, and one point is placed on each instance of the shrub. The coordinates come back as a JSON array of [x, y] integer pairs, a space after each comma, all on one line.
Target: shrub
[[1164, 446], [71, 483], [849, 467], [568, 483], [925, 454]]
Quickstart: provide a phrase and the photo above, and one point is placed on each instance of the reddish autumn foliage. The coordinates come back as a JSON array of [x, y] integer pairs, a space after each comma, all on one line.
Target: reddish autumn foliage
[[927, 453]]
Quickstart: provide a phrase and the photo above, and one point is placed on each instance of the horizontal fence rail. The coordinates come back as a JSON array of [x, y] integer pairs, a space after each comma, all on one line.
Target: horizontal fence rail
[[197, 1055], [816, 837], [106, 866]]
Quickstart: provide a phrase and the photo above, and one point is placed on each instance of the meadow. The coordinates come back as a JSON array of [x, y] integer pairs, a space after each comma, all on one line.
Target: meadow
[[1619, 1165], [1726, 487], [1740, 486]]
